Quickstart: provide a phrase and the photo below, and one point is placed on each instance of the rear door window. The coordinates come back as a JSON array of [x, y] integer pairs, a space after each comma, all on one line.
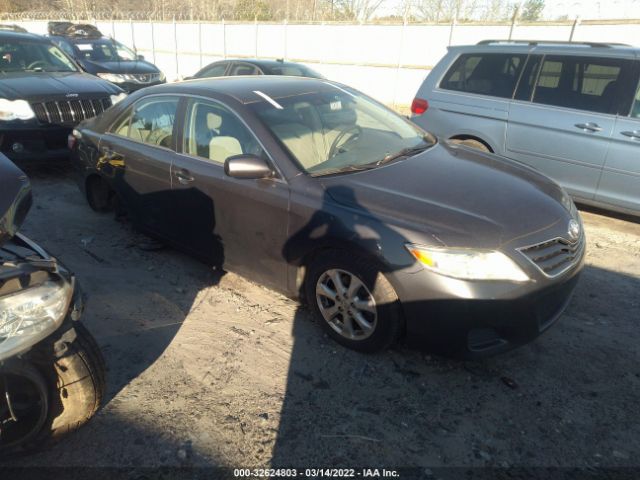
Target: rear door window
[[585, 83], [153, 120], [494, 74]]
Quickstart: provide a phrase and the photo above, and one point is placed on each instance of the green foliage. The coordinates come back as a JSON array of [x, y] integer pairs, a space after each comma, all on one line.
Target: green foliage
[[253, 10], [532, 10]]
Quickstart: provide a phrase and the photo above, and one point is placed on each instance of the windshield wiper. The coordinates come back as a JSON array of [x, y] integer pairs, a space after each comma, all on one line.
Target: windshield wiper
[[348, 168], [405, 152]]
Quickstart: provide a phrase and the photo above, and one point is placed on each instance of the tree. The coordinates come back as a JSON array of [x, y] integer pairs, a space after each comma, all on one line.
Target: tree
[[532, 10]]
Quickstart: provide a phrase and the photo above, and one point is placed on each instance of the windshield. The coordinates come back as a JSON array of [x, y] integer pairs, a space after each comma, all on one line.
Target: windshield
[[338, 130], [104, 51], [25, 56]]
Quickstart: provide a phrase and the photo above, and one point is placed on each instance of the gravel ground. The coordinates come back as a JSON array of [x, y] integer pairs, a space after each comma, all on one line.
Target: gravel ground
[[211, 370]]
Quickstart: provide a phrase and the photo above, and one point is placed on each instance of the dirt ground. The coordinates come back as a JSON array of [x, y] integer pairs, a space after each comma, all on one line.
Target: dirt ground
[[210, 370]]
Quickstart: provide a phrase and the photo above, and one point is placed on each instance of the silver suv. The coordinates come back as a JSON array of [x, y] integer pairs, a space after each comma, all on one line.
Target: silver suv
[[571, 110]]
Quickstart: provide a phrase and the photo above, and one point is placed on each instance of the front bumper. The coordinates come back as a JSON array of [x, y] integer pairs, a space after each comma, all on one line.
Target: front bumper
[[474, 328], [35, 144], [474, 319]]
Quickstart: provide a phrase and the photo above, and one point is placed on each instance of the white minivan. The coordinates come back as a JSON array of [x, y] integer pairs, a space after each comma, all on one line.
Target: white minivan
[[571, 110]]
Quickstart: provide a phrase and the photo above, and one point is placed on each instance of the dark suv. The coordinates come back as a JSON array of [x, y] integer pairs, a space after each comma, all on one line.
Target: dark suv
[[43, 95], [105, 57]]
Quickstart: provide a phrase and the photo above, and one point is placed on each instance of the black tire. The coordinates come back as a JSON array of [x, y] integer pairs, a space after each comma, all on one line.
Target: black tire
[[389, 324], [75, 379], [80, 385], [99, 194], [471, 143]]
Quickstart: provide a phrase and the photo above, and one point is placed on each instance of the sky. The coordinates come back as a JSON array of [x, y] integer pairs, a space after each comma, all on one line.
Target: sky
[[586, 9]]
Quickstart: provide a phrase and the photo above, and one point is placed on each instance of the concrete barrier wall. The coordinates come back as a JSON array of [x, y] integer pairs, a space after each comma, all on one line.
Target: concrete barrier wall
[[387, 62]]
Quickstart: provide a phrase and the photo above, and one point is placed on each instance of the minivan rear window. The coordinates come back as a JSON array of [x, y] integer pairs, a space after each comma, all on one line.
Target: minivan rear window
[[494, 74], [585, 83]]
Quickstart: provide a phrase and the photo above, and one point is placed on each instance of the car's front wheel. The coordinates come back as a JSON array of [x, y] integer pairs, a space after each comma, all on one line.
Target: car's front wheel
[[354, 301]]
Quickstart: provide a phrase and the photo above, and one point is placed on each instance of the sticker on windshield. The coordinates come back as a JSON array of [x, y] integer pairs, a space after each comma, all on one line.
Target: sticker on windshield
[[84, 47], [335, 105]]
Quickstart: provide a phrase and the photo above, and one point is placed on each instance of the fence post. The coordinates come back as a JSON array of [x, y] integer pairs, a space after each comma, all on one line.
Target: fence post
[[113, 29], [224, 39], [399, 66], [200, 41], [284, 25], [133, 36], [175, 46], [256, 33], [514, 21], [574, 27], [153, 41], [453, 26]]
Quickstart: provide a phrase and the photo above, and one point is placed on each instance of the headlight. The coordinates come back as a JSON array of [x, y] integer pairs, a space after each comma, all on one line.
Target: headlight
[[162, 77], [113, 77], [15, 110], [118, 98], [568, 204], [29, 316], [468, 264]]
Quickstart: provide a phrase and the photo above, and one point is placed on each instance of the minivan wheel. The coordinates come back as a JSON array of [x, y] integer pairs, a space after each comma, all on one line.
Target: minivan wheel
[[355, 303], [99, 194], [471, 143]]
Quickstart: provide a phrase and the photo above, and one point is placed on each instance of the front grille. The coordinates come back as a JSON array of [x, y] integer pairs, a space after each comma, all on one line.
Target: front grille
[[555, 256], [70, 112], [145, 77]]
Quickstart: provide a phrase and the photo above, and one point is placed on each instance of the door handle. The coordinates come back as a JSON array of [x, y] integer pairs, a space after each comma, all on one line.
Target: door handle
[[589, 127], [634, 134], [184, 177]]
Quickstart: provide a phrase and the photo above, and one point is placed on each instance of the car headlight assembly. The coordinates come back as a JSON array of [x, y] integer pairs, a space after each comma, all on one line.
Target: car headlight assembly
[[28, 316], [113, 77], [117, 98], [15, 110], [162, 77], [468, 264]]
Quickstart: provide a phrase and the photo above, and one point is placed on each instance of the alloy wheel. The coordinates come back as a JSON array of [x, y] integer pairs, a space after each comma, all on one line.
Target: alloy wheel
[[346, 304]]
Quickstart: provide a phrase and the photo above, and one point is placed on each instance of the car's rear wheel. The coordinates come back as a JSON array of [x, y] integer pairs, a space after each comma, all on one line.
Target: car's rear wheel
[[471, 143], [356, 304], [99, 194]]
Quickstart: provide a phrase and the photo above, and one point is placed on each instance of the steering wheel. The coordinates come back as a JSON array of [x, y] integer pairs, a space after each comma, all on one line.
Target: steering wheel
[[349, 133], [37, 64]]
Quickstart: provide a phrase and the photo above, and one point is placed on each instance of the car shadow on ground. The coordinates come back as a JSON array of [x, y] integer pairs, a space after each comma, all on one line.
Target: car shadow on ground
[[564, 400]]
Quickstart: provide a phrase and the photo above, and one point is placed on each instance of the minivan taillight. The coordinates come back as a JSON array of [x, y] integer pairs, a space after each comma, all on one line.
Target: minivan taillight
[[419, 106]]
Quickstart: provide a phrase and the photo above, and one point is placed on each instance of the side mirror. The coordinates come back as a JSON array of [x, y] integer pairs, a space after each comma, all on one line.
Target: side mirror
[[140, 57], [247, 166]]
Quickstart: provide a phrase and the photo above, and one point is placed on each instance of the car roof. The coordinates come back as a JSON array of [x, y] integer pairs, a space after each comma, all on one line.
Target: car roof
[[599, 49], [81, 39], [262, 63], [9, 35], [243, 88]]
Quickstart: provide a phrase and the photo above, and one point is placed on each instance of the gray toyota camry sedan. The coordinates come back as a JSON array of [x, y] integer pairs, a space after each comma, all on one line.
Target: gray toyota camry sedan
[[316, 190]]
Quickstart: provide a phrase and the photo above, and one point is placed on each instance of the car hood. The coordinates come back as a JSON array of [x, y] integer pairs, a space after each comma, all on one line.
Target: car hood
[[46, 85], [15, 198], [456, 196], [139, 66]]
